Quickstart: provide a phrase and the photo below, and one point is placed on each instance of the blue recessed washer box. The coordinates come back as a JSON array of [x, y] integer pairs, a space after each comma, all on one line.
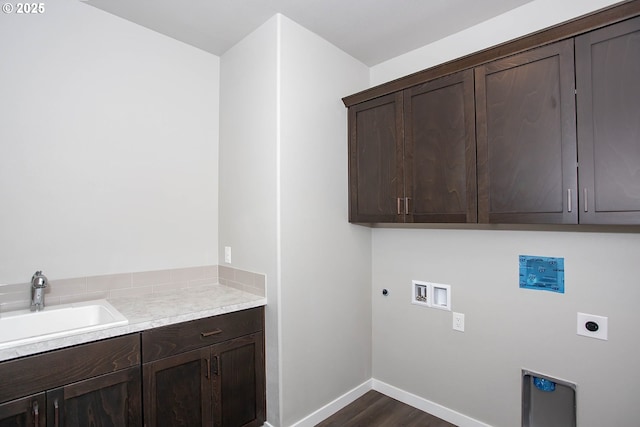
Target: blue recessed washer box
[[542, 273]]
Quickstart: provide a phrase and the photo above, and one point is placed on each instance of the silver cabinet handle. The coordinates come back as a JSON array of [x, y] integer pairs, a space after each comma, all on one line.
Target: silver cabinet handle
[[586, 200], [568, 200], [36, 414], [398, 206], [56, 414]]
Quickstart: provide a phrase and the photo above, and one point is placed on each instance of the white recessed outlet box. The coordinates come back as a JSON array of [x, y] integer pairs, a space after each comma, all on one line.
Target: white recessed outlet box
[[441, 296], [435, 295], [227, 254], [592, 326], [420, 293]]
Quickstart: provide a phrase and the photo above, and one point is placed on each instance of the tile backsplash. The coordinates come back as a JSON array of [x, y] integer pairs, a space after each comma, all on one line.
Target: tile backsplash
[[62, 291], [247, 281]]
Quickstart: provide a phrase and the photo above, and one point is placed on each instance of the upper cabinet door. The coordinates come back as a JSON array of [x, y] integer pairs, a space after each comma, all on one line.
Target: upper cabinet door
[[440, 150], [608, 97], [525, 112], [375, 160]]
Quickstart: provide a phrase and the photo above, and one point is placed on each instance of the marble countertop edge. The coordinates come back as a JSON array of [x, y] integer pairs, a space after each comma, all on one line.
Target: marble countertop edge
[[154, 311]]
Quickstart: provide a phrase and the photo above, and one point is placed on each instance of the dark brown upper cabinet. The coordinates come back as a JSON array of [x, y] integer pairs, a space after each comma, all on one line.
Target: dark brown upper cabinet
[[608, 101], [526, 135], [545, 131], [376, 180], [440, 150], [412, 154]]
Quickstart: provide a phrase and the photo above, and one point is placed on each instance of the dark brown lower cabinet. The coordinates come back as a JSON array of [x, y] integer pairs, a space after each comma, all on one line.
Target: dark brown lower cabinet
[[28, 411], [206, 372], [220, 384], [96, 384], [107, 400], [239, 382], [178, 390]]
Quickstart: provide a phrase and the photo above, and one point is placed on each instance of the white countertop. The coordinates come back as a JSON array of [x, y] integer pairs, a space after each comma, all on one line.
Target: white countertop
[[156, 310]]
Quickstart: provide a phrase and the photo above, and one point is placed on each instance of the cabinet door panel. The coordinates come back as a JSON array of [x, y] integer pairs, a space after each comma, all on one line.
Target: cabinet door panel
[[239, 387], [608, 86], [440, 150], [111, 400], [525, 106], [25, 412], [375, 160], [178, 390]]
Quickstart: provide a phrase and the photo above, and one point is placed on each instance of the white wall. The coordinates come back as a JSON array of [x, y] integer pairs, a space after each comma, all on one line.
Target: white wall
[[283, 193], [249, 176], [478, 372], [326, 262], [108, 146], [518, 22]]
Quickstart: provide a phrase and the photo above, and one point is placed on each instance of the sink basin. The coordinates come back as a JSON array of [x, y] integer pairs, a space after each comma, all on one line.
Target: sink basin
[[25, 327]]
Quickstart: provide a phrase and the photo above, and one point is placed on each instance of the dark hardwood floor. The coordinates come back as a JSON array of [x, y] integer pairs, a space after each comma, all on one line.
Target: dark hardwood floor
[[374, 409]]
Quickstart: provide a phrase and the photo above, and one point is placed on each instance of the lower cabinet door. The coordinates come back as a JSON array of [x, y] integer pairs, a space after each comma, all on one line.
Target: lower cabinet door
[[111, 400], [177, 390], [28, 411], [238, 373]]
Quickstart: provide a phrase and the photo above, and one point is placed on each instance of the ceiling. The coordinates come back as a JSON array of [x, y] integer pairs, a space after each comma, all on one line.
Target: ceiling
[[372, 31]]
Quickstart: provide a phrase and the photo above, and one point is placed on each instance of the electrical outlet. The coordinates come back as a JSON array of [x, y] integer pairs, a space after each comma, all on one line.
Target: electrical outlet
[[227, 254], [458, 322], [592, 326]]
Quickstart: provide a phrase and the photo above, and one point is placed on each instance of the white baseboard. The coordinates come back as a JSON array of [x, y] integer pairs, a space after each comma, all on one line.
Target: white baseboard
[[334, 406], [426, 405], [410, 399]]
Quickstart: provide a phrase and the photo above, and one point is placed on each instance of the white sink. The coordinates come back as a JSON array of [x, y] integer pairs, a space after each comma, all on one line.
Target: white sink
[[25, 327]]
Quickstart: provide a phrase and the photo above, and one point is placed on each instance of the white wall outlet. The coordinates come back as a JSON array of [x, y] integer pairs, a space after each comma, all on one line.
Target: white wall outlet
[[592, 326], [458, 321], [420, 293], [227, 254]]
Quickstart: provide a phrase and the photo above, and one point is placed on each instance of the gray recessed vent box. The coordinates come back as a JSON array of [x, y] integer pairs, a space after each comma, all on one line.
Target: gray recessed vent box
[[547, 402]]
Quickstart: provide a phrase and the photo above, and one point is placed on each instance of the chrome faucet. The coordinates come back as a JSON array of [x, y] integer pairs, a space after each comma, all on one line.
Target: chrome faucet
[[38, 283]]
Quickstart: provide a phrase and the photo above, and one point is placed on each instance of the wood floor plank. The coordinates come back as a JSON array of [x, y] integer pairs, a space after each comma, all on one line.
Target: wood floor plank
[[351, 411], [374, 409]]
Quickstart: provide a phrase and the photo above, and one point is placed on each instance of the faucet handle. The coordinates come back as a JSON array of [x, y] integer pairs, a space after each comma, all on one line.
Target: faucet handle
[[39, 280]]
